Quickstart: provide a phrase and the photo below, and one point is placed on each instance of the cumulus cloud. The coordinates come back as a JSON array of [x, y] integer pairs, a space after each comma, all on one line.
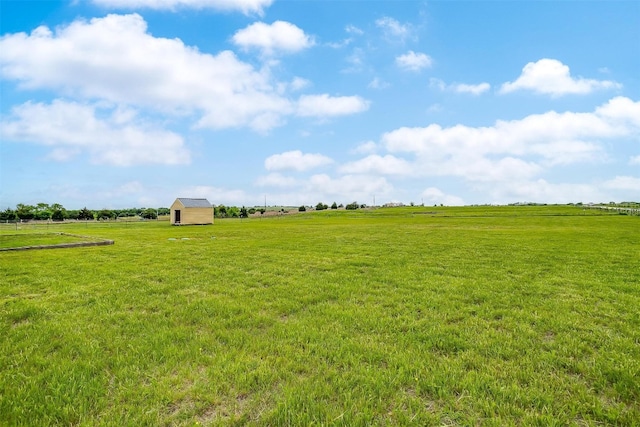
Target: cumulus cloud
[[550, 135], [624, 183], [552, 77], [296, 160], [508, 151], [279, 37], [358, 187], [108, 136], [412, 61], [115, 59], [244, 6], [386, 165], [328, 106], [473, 89]]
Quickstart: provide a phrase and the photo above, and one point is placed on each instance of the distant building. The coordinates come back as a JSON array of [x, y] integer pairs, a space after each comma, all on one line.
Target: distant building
[[185, 211]]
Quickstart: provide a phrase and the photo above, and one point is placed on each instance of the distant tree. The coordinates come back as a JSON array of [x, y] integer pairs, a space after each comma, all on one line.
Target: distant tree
[[59, 214], [220, 211], [149, 213], [302, 209], [105, 214], [233, 212], [8, 215], [321, 206], [85, 214], [25, 212], [340, 206], [334, 206], [42, 212], [164, 211], [244, 213], [252, 211], [352, 206], [262, 211]]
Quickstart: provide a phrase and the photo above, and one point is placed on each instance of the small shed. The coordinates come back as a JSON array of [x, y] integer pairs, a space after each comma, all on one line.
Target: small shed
[[185, 211]]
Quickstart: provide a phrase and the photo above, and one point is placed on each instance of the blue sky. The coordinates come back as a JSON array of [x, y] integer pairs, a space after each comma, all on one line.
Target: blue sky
[[114, 103]]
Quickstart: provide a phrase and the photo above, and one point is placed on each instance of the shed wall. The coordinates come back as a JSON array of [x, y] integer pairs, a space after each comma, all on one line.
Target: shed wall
[[191, 216]]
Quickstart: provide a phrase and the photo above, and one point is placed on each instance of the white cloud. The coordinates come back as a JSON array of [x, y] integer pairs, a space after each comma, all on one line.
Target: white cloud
[[412, 61], [279, 37], [296, 160], [115, 59], [368, 147], [517, 150], [244, 6], [552, 77], [635, 160], [328, 106], [624, 183], [322, 187], [298, 83], [473, 89], [71, 128], [356, 187], [435, 195], [549, 135], [216, 195], [376, 164], [622, 111], [393, 29]]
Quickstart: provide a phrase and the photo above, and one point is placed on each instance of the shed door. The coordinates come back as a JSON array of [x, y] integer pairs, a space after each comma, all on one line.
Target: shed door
[[177, 219]]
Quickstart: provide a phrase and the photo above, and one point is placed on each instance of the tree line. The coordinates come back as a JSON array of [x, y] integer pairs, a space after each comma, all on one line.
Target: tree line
[[57, 212]]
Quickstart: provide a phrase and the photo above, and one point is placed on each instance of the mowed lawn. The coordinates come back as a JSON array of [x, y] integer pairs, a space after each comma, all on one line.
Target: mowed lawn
[[399, 316]]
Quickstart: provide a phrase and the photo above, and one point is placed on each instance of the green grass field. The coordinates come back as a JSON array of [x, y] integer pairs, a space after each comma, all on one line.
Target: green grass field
[[405, 316]]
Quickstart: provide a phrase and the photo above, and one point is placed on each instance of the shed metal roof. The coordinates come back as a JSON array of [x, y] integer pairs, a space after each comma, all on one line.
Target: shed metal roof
[[194, 203]]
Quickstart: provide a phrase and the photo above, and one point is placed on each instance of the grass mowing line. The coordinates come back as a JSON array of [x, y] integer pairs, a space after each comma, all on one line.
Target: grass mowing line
[[22, 242]]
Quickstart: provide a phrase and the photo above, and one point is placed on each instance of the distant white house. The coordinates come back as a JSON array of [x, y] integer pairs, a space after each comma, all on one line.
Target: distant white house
[[186, 211]]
